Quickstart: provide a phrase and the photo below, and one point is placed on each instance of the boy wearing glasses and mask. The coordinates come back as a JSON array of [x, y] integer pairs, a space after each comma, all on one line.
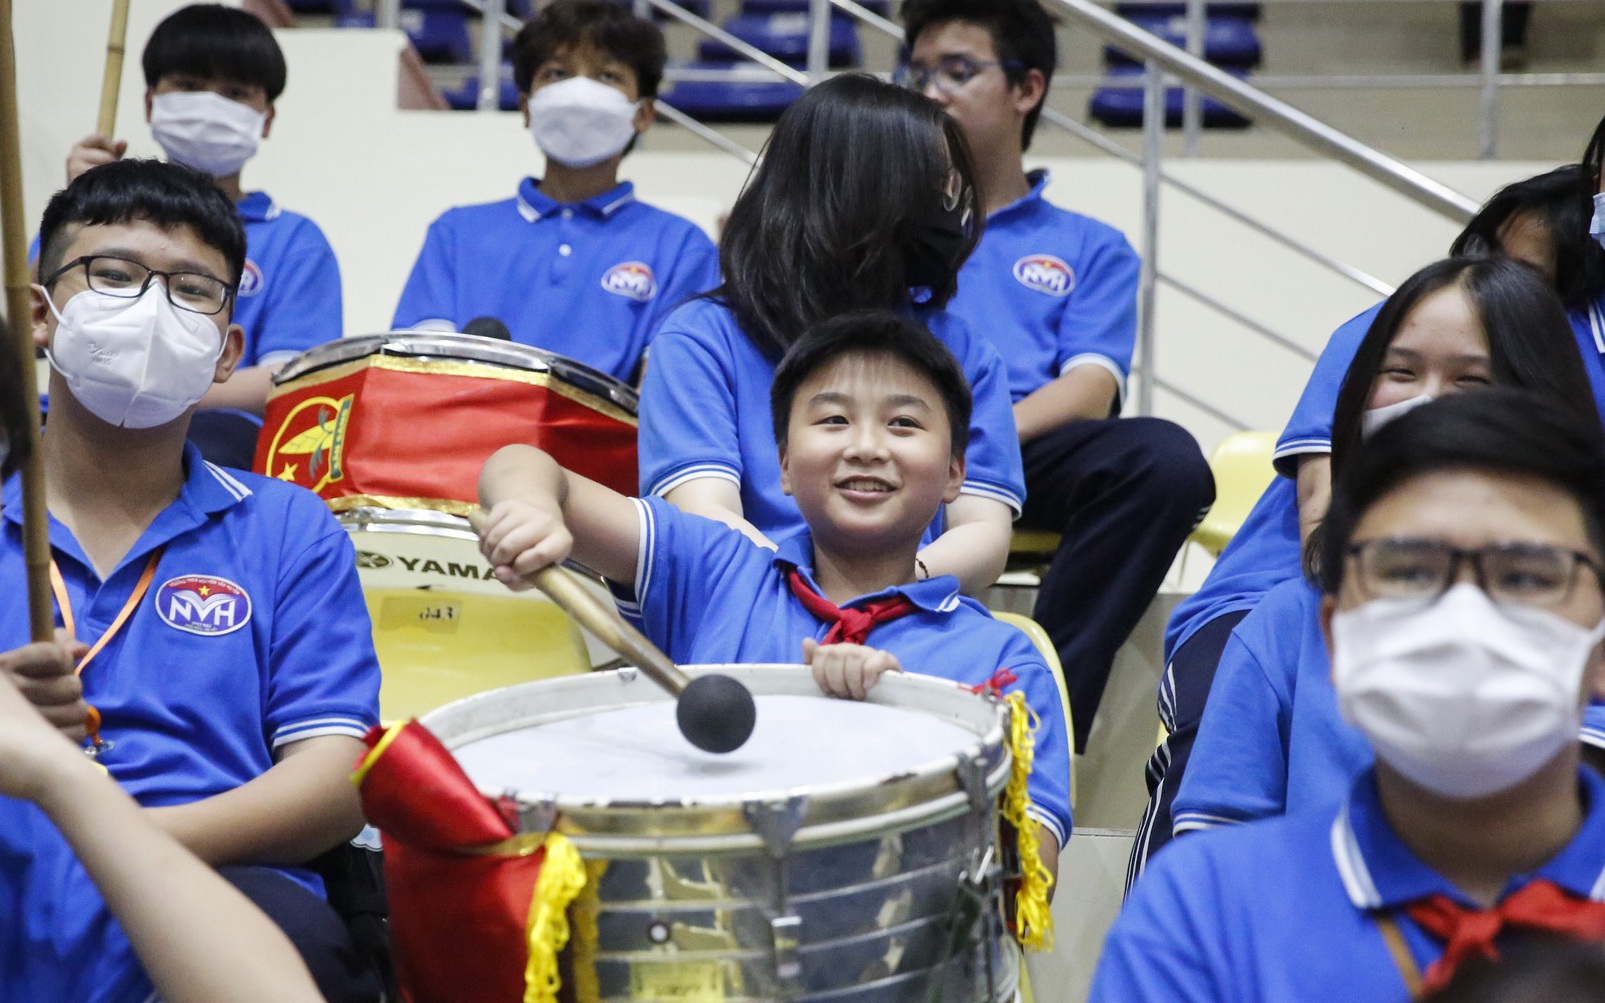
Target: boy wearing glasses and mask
[[1057, 293], [230, 665], [573, 263], [213, 74], [1463, 607]]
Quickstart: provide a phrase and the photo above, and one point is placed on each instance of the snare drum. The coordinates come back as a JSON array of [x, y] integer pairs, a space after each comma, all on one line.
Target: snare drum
[[443, 626], [847, 852], [406, 420]]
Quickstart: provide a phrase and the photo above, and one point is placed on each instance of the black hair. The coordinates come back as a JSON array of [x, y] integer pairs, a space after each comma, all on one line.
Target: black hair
[[1022, 37], [819, 230], [165, 195], [212, 41], [1530, 344], [1532, 969], [873, 333], [1507, 430], [1594, 155], [1562, 202], [15, 399], [605, 24]]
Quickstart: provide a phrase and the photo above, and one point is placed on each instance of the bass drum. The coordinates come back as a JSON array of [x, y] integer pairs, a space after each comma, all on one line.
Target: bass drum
[[443, 626]]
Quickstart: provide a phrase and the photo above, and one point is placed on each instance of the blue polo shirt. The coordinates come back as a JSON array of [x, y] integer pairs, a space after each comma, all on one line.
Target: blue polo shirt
[[289, 299], [705, 413], [289, 295], [253, 635], [1053, 290], [1286, 910], [1273, 741], [587, 280], [706, 594]]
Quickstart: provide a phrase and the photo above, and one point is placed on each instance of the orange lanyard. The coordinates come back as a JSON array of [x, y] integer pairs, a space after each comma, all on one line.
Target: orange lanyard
[[59, 587]]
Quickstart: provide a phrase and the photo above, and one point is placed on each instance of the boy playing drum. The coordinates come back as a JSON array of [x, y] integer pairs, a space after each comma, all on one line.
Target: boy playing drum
[[870, 414]]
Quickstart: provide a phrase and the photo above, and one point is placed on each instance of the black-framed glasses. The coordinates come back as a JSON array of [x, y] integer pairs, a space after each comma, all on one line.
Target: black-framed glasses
[[110, 275], [1512, 574], [950, 72]]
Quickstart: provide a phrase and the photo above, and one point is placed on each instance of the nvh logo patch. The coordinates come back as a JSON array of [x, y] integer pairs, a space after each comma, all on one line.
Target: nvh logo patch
[[1045, 274], [250, 279], [633, 279], [202, 604]]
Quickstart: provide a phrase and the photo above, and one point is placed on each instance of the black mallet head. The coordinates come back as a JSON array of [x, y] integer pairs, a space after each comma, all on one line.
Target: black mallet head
[[716, 713]]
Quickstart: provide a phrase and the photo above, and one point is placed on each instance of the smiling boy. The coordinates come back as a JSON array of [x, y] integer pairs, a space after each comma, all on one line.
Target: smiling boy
[[871, 415], [573, 263]]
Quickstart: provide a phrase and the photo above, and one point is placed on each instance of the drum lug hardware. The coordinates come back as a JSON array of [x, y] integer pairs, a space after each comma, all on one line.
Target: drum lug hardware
[[787, 933], [627, 673], [776, 821], [537, 816], [972, 776]]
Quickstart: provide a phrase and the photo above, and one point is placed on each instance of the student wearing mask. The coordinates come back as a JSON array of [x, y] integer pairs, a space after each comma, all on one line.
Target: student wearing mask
[[1542, 222], [1272, 740], [1463, 607], [213, 74], [1056, 293], [230, 660], [573, 263], [865, 199]]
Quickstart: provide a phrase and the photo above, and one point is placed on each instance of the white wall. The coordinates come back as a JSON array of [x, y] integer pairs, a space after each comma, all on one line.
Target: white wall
[[374, 176]]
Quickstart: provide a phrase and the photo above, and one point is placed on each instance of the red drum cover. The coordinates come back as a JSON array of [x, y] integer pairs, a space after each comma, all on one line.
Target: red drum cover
[[390, 431]]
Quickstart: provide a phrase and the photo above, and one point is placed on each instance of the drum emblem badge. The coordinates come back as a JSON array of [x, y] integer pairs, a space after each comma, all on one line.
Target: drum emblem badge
[[1046, 274], [309, 444], [631, 279], [203, 604]]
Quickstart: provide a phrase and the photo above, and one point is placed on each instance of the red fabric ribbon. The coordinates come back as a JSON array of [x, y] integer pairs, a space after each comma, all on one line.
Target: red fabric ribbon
[[1541, 905], [849, 625], [994, 686], [457, 918]]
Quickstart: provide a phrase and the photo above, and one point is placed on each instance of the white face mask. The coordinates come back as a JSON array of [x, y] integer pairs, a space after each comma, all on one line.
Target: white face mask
[[1596, 226], [137, 363], [580, 122], [1463, 697], [1376, 417], [206, 131]]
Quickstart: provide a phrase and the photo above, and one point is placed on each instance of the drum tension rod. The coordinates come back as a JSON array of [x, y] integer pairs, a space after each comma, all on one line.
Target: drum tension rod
[[776, 823]]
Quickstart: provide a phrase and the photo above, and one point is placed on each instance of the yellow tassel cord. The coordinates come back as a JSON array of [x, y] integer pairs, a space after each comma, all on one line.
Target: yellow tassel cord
[[586, 934], [1033, 920], [360, 773], [561, 879]]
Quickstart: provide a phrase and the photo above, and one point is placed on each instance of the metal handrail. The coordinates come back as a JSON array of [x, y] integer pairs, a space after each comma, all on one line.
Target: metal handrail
[[1249, 102]]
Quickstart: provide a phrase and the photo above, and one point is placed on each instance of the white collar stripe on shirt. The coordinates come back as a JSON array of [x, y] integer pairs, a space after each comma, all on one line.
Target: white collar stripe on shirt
[[1351, 867]]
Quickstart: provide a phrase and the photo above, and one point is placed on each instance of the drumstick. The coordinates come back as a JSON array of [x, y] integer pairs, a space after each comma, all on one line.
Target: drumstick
[[112, 81], [35, 531], [716, 713]]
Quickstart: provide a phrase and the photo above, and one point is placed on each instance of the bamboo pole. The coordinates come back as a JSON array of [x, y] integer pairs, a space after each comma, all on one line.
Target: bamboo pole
[[35, 529], [112, 82]]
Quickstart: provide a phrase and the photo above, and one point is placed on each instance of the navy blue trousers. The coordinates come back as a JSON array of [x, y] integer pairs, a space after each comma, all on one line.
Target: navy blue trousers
[[1182, 695], [1123, 493], [315, 929]]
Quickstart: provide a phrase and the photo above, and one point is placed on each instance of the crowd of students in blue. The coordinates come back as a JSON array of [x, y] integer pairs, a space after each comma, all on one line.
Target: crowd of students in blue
[[898, 350]]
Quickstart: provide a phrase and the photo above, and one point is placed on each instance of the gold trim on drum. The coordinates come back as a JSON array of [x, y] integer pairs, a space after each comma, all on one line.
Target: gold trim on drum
[[477, 370], [391, 502]]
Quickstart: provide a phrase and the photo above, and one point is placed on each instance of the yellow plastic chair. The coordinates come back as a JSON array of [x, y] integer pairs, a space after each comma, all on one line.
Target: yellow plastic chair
[[1050, 654], [1242, 468], [1030, 549], [437, 645]]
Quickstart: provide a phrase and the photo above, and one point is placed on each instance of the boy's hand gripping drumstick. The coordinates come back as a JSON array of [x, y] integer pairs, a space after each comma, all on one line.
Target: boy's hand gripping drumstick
[[715, 713]]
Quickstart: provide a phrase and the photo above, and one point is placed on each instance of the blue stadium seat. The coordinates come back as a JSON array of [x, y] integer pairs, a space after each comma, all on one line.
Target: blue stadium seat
[[1229, 42], [1249, 10], [784, 36], [881, 7], [1121, 107], [466, 96], [439, 34], [730, 101]]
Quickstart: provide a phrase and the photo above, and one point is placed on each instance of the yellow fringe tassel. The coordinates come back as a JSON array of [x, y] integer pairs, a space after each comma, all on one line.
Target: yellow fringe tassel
[[561, 879], [1033, 920]]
